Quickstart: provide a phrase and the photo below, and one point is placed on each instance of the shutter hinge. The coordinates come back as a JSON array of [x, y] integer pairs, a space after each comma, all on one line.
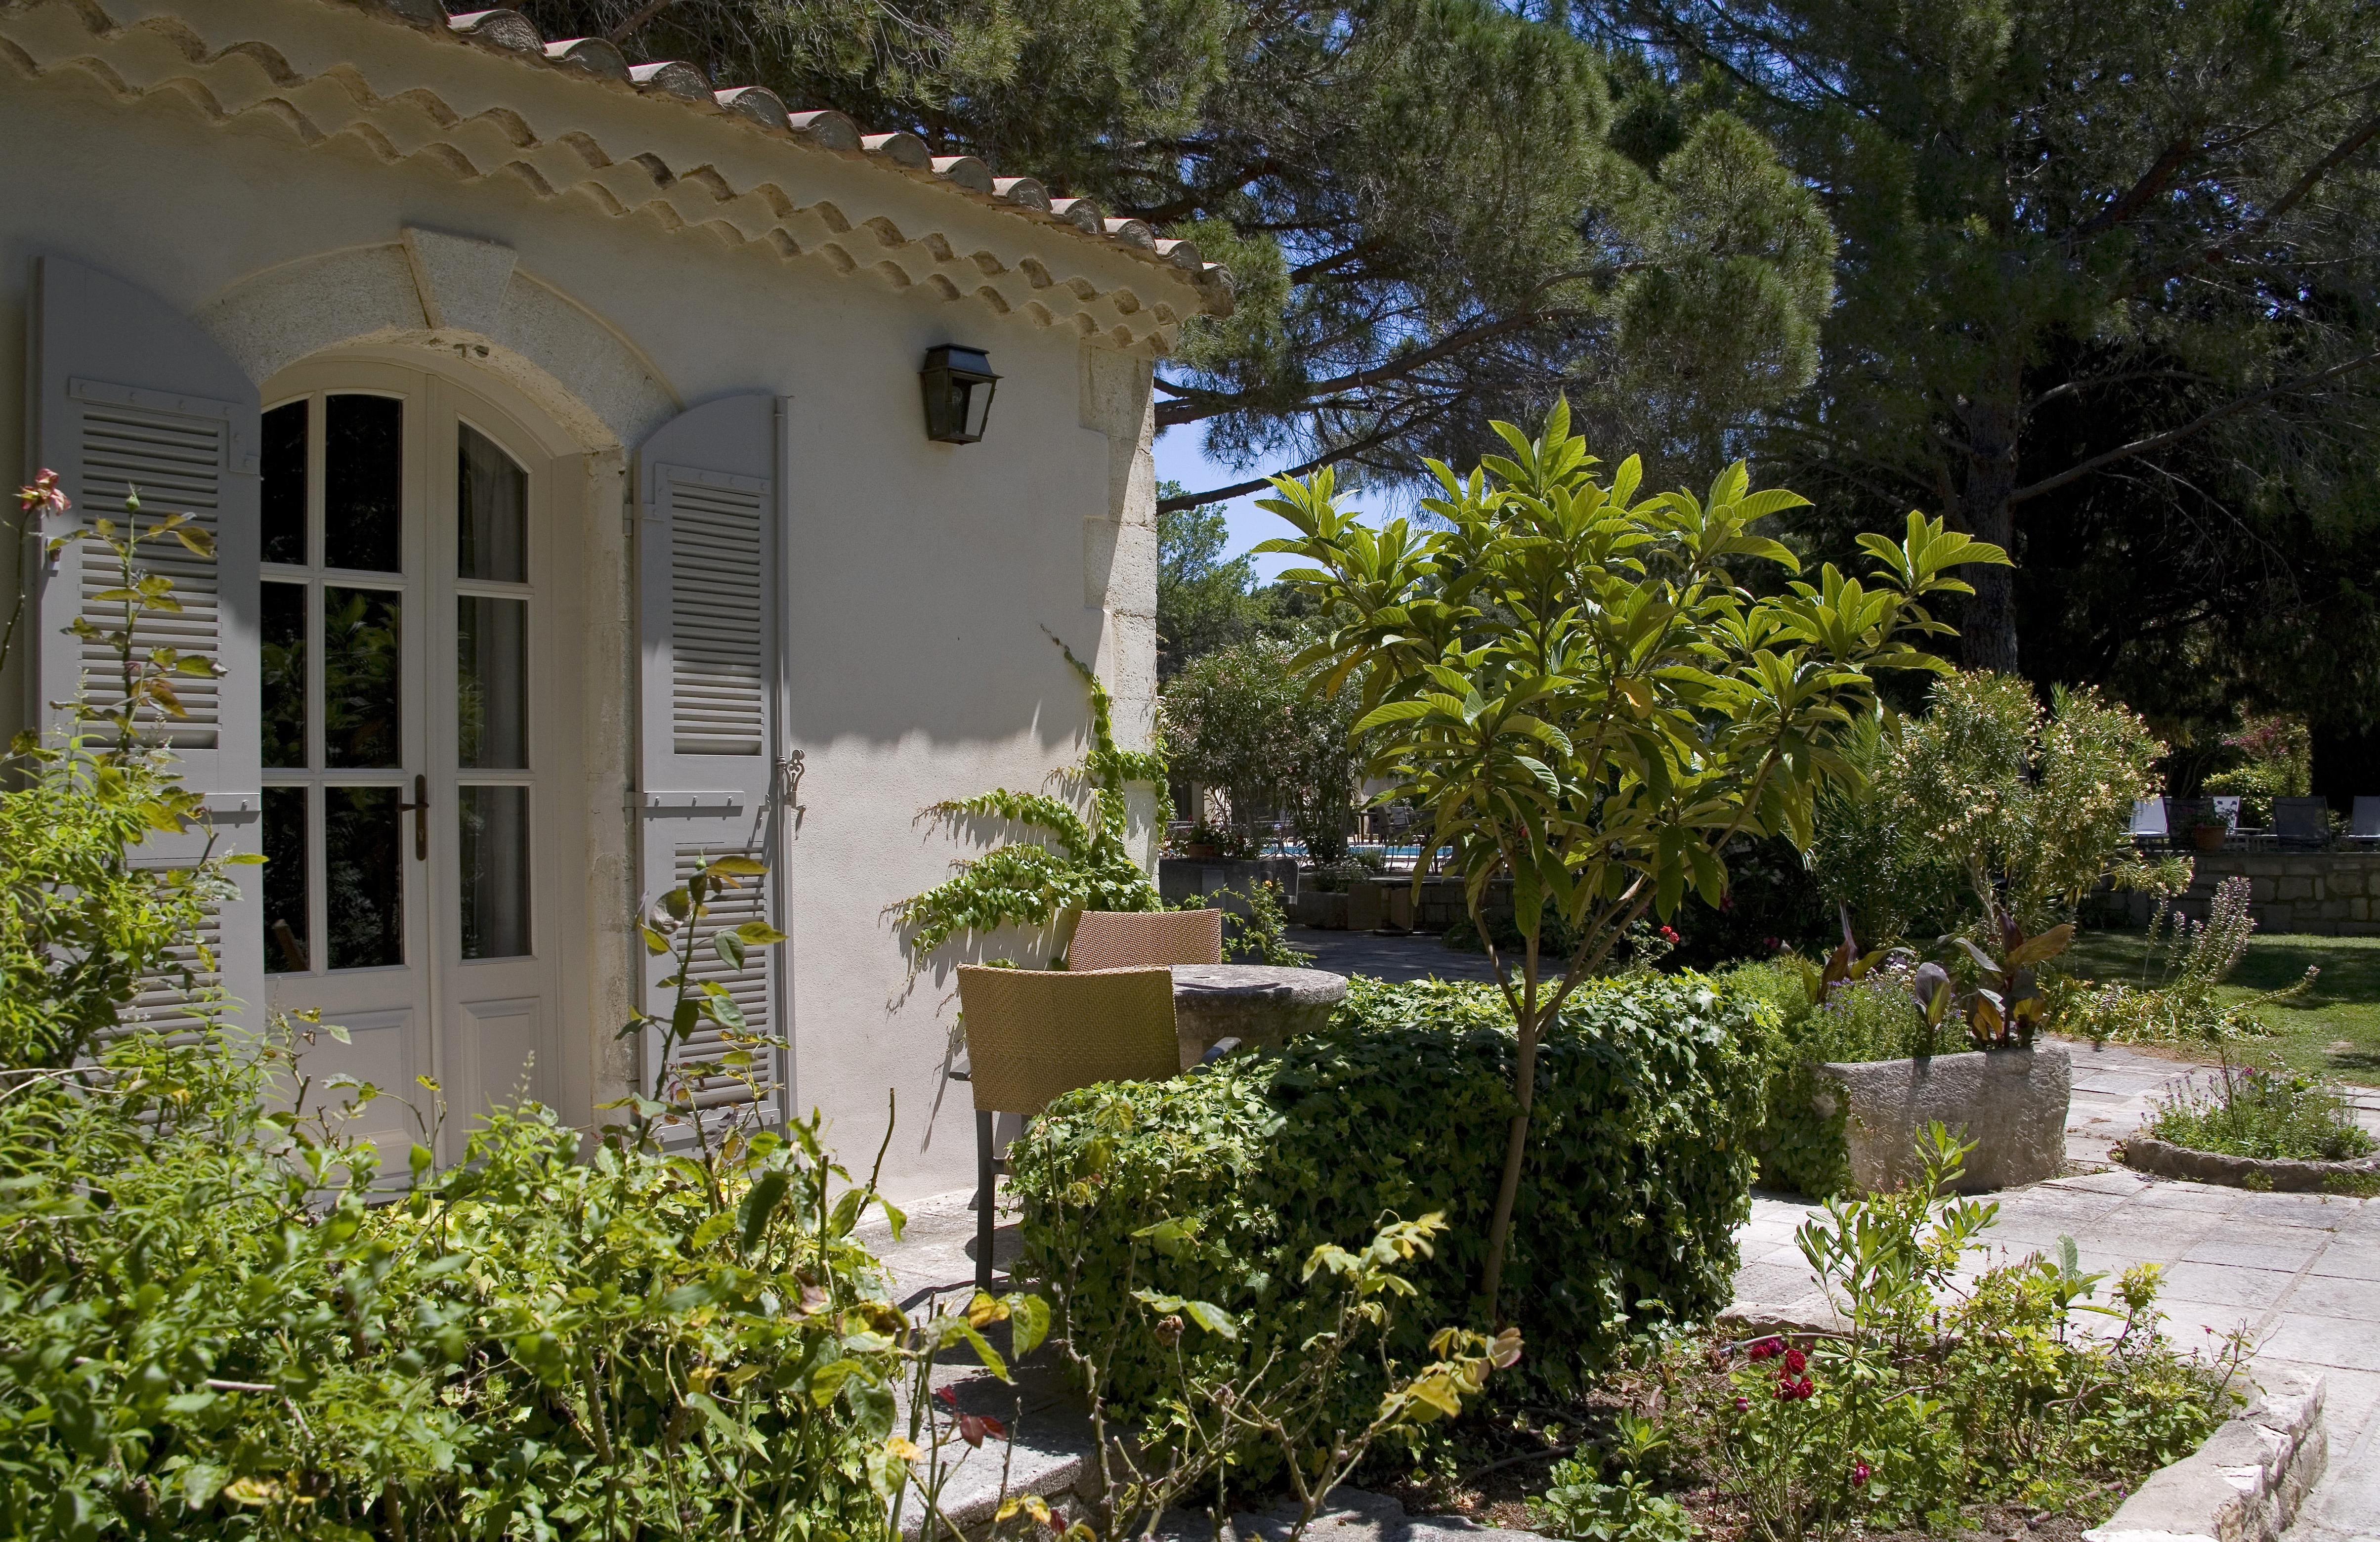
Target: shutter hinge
[[789, 781]]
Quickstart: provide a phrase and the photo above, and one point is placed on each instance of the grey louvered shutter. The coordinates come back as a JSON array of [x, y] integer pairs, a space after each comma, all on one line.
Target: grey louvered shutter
[[709, 627], [128, 392]]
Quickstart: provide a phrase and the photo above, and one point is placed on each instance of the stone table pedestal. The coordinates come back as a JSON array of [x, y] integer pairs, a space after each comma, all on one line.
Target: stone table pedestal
[[1254, 1003]]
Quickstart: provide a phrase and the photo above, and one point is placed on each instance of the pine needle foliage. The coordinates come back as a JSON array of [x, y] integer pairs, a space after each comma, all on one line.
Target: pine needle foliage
[[1072, 863]]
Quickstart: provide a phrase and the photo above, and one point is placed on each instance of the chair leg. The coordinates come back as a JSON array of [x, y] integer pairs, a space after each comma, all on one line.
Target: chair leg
[[985, 1201]]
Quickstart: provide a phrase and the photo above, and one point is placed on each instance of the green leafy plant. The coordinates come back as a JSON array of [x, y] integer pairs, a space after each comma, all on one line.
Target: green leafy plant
[[1279, 1413], [1937, 1391], [210, 1328], [2190, 961], [1257, 934], [2005, 1003], [1590, 695], [1076, 863], [83, 928], [1241, 722], [672, 928], [1580, 1506], [2275, 760], [1986, 812], [2261, 1111], [1650, 1092]]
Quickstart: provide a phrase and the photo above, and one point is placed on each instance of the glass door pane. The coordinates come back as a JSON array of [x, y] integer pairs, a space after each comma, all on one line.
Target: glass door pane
[[491, 683], [495, 871], [363, 864]]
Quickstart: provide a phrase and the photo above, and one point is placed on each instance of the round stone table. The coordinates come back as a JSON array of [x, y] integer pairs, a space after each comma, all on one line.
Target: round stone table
[[1254, 1003]]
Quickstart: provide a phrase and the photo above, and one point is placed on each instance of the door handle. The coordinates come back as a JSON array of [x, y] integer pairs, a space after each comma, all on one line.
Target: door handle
[[420, 807]]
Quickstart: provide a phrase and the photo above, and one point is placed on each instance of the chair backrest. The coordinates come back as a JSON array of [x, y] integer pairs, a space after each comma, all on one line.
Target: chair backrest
[[2303, 818], [2148, 817], [2365, 821], [2180, 811], [1145, 940], [1032, 1034], [2230, 808]]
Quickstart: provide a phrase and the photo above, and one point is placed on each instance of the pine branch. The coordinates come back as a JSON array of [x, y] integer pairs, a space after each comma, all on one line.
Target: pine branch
[[2204, 419]]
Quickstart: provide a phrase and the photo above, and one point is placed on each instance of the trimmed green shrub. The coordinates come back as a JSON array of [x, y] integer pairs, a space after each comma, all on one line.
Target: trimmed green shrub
[[1216, 1188]]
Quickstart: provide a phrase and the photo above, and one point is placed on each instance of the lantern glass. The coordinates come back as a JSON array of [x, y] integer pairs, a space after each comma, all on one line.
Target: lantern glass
[[958, 387]]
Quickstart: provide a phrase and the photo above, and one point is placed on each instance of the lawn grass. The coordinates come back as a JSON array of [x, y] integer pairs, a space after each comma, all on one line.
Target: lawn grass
[[2333, 1028]]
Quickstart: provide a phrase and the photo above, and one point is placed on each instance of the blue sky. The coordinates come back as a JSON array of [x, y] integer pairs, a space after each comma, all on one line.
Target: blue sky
[[1180, 460]]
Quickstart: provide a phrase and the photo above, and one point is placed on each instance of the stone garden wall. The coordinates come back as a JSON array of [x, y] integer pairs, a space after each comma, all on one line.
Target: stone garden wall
[[2330, 893]]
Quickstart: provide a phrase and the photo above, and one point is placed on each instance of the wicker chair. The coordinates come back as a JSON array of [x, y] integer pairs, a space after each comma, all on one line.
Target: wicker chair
[[1143, 940], [1033, 1034]]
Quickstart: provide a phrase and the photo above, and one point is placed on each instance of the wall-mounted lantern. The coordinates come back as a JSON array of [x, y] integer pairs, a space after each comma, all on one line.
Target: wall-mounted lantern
[[959, 383]]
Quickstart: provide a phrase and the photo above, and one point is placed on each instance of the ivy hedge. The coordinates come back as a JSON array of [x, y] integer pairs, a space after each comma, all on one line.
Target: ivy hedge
[[1218, 1186]]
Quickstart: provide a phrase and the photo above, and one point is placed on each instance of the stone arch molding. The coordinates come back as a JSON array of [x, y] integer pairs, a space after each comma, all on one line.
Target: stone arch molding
[[457, 296]]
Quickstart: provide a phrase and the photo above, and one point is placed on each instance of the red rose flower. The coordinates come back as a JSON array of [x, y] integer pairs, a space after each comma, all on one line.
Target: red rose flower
[[1859, 1475], [1794, 1361], [1763, 1348]]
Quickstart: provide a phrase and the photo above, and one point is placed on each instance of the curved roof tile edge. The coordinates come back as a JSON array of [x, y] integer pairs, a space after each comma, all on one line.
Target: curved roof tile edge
[[515, 33], [238, 76]]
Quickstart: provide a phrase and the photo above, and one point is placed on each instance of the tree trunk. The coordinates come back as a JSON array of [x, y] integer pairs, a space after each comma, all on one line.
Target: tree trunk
[[1516, 1145], [1988, 631]]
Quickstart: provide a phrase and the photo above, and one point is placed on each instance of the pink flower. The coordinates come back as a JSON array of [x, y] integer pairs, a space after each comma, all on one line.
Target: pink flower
[[1859, 1473], [1744, 1406], [44, 494]]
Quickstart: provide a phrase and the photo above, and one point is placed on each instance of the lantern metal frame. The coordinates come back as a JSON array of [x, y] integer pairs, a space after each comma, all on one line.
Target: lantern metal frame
[[950, 379]]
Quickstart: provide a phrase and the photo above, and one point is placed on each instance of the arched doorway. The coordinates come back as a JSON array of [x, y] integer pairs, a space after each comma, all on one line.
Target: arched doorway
[[413, 726]]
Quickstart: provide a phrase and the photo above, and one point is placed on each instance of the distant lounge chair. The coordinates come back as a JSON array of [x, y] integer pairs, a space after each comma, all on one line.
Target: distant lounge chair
[[2148, 820], [2364, 823], [2302, 822]]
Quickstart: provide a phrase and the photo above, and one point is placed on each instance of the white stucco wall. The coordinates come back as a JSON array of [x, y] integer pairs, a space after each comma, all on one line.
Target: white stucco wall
[[922, 577]]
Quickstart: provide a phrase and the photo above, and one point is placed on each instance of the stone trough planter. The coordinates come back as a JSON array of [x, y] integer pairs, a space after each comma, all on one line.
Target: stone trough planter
[[2282, 1174], [2011, 1103]]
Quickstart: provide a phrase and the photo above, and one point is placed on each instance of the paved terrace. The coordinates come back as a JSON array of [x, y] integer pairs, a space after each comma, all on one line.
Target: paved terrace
[[2302, 1270]]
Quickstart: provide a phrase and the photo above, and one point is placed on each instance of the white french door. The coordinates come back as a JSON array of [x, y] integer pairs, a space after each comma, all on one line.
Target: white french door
[[410, 845]]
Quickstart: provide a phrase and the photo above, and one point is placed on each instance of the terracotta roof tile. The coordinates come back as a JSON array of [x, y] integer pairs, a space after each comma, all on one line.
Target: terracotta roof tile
[[515, 33]]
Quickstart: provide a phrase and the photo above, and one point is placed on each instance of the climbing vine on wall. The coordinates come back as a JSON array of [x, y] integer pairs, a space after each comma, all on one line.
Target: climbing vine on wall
[[1074, 862]]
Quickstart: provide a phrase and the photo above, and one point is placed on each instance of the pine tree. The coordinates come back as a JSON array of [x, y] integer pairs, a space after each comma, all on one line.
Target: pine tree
[[2106, 268], [1434, 210]]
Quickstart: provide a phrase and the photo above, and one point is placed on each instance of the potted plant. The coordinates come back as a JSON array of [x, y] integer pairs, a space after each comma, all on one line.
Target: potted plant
[[1203, 841], [2209, 831]]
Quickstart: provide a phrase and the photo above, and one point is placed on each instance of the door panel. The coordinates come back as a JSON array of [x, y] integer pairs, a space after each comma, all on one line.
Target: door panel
[[414, 849]]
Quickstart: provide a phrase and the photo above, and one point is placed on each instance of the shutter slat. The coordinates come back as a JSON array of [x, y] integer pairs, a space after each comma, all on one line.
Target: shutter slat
[[175, 462], [718, 643]]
